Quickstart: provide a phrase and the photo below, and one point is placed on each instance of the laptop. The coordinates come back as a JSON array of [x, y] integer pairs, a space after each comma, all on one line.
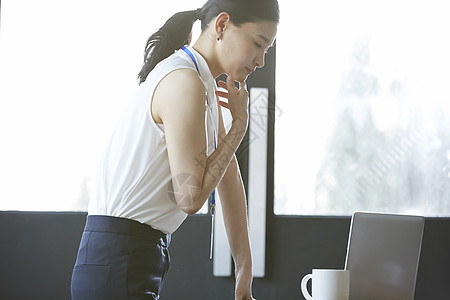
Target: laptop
[[383, 255]]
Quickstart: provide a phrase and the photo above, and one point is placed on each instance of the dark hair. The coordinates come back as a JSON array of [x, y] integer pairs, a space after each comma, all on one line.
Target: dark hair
[[176, 32]]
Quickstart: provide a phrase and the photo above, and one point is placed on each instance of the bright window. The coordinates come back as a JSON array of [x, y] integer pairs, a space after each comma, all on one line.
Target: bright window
[[67, 69], [363, 91]]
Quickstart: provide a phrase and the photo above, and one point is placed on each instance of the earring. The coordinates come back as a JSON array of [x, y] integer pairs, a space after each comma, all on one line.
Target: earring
[[219, 36]]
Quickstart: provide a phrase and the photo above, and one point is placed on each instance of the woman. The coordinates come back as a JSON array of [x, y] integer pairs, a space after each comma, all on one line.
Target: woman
[[170, 151]]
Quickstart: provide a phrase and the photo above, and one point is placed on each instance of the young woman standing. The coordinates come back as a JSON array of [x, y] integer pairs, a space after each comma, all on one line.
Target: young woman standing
[[169, 152]]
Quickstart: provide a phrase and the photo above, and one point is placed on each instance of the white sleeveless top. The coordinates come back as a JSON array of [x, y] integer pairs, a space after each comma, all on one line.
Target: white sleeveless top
[[134, 179]]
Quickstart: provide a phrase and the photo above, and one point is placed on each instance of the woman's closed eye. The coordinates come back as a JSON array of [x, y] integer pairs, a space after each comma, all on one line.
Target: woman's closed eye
[[259, 46]]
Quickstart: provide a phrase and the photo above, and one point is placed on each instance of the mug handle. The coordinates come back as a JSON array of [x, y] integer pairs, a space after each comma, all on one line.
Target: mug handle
[[304, 288]]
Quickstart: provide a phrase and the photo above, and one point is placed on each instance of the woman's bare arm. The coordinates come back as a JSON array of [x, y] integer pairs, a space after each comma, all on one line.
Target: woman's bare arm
[[179, 102]]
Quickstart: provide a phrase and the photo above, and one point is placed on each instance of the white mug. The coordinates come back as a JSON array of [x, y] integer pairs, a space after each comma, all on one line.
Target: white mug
[[327, 285]]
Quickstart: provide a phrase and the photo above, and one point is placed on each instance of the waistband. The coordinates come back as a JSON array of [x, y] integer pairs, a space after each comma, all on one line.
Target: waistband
[[124, 226]]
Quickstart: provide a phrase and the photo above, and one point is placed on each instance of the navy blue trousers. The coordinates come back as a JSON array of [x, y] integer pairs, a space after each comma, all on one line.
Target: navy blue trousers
[[120, 259]]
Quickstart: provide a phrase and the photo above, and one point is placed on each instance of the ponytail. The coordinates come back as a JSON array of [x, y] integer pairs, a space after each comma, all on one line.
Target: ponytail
[[173, 35]]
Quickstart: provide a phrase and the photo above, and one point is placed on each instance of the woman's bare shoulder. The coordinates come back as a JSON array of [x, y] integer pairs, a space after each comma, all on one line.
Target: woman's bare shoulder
[[180, 91]]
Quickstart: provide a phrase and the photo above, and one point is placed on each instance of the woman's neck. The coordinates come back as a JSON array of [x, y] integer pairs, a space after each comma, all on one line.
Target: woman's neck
[[207, 49]]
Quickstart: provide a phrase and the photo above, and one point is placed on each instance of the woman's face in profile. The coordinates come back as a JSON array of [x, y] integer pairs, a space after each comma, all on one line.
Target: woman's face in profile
[[244, 47]]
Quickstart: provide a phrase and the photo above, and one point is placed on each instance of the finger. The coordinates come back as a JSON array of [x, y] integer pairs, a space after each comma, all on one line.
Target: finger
[[242, 85], [222, 94], [230, 83], [224, 104], [222, 84]]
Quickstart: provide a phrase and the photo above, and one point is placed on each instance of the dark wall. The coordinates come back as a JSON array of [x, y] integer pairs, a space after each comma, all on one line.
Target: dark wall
[[37, 252]]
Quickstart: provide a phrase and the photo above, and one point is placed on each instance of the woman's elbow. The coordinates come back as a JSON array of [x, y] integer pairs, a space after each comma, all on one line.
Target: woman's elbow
[[186, 195], [188, 203], [190, 209]]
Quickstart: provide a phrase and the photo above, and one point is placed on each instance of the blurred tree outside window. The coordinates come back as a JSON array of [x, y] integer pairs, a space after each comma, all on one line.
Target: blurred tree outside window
[[363, 87]]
